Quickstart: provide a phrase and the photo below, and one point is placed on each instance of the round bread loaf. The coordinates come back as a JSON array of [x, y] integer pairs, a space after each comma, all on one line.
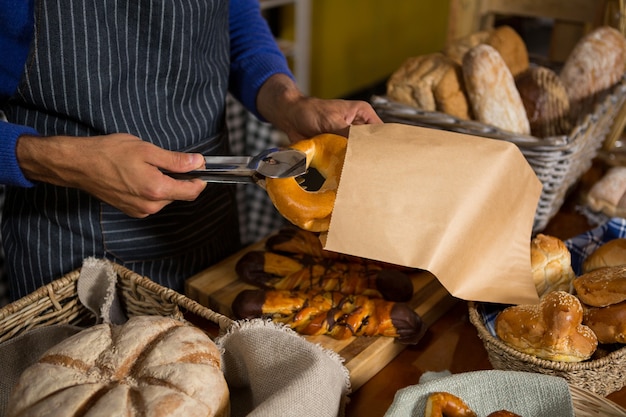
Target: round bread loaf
[[612, 253], [551, 264], [545, 100], [602, 287], [491, 90], [431, 82], [595, 64], [551, 330], [150, 367]]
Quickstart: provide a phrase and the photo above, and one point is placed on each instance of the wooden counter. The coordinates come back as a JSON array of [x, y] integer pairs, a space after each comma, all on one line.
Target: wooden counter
[[451, 343]]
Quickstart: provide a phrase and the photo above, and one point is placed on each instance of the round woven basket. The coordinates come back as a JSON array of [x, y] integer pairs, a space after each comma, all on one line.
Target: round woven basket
[[602, 376]]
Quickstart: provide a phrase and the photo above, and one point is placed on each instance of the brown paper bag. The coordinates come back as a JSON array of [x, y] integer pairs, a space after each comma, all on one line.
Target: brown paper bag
[[458, 206]]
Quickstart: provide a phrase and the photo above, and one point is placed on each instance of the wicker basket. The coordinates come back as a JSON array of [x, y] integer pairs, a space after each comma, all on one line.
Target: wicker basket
[[557, 161], [601, 376], [58, 303]]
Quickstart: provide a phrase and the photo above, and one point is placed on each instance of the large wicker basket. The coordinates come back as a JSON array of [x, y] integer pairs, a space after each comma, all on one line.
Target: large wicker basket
[[58, 303], [558, 161], [602, 376]]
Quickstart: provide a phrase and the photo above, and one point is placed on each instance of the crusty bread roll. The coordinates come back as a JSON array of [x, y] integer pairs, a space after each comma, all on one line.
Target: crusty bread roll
[[608, 194], [511, 47], [431, 82], [150, 366], [602, 287], [612, 253], [551, 264], [608, 323], [503, 39], [551, 330], [545, 100], [596, 63], [491, 90]]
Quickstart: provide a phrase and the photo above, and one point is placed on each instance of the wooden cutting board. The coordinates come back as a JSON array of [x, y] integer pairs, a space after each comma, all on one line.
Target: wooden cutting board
[[217, 287]]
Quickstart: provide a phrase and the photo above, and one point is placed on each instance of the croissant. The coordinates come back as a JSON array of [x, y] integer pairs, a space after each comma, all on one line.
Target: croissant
[[270, 270], [332, 313]]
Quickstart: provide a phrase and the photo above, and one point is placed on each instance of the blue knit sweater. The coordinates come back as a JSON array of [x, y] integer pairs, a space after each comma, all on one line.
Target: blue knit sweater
[[254, 58]]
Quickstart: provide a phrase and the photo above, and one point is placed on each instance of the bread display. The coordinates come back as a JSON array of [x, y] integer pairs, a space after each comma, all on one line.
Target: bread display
[[311, 210], [551, 264], [545, 100], [595, 64], [431, 82], [612, 253], [602, 287], [550, 330], [150, 366], [492, 92]]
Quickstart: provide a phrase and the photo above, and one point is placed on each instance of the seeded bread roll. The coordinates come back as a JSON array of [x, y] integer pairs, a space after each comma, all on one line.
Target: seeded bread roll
[[431, 82], [491, 90], [608, 323], [551, 330], [545, 100], [595, 64], [602, 287]]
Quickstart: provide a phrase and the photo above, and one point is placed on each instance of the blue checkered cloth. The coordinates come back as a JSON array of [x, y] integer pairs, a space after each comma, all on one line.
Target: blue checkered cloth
[[580, 247]]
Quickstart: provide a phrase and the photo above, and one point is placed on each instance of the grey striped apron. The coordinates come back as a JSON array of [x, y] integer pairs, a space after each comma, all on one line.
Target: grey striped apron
[[157, 69]]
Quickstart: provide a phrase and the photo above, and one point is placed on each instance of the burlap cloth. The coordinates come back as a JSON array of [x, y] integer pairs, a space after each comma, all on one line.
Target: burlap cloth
[[270, 369], [525, 393]]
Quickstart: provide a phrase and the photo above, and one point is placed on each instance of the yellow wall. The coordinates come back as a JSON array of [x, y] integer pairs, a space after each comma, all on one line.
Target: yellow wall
[[356, 43]]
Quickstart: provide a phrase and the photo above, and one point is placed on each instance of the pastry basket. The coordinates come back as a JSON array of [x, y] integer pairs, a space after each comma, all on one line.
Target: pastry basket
[[602, 376], [58, 303], [558, 161]]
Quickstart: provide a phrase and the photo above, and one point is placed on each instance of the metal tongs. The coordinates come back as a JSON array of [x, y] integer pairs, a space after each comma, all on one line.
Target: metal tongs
[[271, 163]]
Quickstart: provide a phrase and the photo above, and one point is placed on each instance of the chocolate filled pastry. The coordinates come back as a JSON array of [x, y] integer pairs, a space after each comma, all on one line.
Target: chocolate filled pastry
[[551, 330], [331, 313], [270, 270], [602, 287]]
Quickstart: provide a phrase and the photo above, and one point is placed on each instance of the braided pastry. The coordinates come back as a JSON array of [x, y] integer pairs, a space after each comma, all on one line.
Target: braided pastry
[[331, 313], [280, 272]]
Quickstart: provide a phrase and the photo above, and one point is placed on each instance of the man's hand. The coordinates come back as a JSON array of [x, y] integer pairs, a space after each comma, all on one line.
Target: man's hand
[[302, 117], [119, 169]]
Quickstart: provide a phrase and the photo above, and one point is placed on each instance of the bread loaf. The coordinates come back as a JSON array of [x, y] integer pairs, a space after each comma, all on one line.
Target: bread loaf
[[491, 90], [551, 264], [550, 330], [503, 39], [612, 253], [150, 367], [545, 100], [608, 195], [608, 323], [595, 64], [431, 82], [602, 287]]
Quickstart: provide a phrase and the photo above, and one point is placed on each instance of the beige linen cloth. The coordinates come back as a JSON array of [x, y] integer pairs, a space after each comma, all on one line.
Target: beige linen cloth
[[270, 369], [524, 393]]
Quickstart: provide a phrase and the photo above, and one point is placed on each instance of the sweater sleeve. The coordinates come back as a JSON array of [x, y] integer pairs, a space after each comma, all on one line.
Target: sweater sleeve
[[254, 53], [16, 31]]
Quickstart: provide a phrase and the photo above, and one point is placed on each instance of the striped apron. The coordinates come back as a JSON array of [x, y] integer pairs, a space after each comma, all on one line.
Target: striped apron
[[157, 69]]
